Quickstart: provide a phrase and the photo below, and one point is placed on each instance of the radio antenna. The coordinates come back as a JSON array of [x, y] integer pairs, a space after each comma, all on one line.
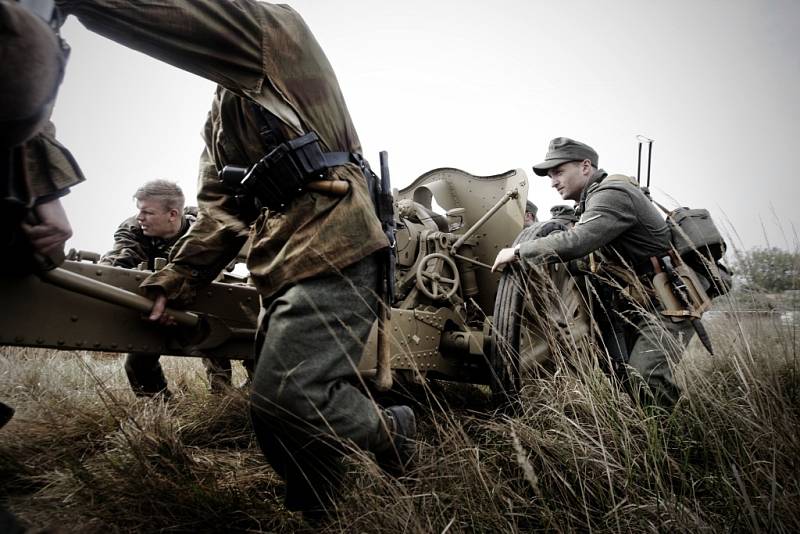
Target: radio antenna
[[644, 140]]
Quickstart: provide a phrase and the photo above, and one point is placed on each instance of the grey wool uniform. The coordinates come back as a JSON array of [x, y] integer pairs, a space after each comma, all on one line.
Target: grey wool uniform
[[621, 226], [563, 214]]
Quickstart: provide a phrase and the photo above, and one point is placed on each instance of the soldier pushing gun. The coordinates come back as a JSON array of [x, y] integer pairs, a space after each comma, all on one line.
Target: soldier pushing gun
[[162, 219], [619, 230], [35, 169], [279, 113]]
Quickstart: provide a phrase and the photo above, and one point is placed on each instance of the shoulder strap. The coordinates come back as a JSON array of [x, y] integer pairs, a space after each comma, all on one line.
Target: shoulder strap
[[662, 208], [630, 180], [269, 127], [619, 178]]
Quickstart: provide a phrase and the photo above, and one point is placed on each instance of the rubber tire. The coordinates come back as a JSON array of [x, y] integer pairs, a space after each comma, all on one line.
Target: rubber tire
[[505, 341], [506, 332]]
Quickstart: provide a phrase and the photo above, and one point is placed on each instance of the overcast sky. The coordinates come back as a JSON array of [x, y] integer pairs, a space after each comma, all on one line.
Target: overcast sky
[[483, 87]]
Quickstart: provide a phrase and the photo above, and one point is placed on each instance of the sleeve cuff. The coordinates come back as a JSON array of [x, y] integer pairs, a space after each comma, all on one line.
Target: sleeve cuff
[[178, 283], [532, 253]]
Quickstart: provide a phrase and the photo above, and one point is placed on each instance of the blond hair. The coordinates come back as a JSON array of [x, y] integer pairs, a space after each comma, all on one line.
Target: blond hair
[[169, 193]]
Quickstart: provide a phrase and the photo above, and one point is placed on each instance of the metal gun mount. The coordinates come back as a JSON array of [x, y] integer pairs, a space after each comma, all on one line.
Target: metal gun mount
[[444, 290], [84, 306], [444, 321]]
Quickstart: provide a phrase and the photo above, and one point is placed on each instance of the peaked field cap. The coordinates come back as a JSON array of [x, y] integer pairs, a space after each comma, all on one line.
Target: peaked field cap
[[530, 207], [562, 210], [564, 150]]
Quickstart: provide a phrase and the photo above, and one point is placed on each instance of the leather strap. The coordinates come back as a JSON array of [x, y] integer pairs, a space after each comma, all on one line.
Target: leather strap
[[269, 127]]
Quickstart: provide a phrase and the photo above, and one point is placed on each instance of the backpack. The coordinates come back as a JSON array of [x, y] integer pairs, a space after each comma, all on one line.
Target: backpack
[[699, 243]]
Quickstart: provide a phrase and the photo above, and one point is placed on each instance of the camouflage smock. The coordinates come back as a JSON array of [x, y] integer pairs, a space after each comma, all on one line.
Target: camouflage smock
[[265, 53], [132, 247], [48, 168], [38, 171], [616, 219]]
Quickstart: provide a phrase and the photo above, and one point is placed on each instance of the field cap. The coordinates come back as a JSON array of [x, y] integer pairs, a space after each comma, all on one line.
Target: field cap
[[563, 211], [531, 208], [563, 150]]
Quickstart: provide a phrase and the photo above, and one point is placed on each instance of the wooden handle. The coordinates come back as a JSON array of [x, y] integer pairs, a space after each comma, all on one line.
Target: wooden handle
[[337, 188], [656, 265], [383, 378]]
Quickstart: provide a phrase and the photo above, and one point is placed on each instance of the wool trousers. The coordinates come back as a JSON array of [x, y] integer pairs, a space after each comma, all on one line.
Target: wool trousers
[[306, 410]]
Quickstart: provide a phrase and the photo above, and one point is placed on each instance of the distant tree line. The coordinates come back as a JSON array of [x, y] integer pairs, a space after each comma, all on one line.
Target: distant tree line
[[768, 269]]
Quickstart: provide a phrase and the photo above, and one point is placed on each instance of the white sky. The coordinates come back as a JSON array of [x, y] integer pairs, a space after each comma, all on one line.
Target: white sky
[[483, 87]]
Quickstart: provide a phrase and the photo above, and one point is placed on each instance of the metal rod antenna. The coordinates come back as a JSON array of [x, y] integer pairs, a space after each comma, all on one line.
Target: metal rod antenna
[[642, 139], [639, 165]]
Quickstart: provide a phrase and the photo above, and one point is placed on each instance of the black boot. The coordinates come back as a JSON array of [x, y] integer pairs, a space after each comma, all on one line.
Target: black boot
[[146, 375], [398, 458], [6, 413]]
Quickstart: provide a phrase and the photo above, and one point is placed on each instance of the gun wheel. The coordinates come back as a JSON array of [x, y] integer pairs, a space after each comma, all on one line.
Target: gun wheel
[[508, 341], [511, 343], [437, 276], [535, 312]]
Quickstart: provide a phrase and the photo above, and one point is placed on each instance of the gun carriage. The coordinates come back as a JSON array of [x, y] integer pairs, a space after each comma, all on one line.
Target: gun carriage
[[451, 318]]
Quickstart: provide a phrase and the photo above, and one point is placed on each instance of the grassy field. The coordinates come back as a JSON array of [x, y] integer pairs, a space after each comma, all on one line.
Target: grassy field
[[83, 455]]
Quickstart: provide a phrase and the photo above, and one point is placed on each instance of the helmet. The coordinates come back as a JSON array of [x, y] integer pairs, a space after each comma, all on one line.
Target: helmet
[[31, 68]]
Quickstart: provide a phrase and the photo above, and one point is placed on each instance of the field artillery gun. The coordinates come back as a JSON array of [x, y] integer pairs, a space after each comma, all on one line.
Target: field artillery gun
[[86, 306], [451, 318]]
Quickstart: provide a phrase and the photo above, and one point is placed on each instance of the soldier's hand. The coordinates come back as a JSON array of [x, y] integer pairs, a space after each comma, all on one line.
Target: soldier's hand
[[505, 256], [157, 313], [52, 230]]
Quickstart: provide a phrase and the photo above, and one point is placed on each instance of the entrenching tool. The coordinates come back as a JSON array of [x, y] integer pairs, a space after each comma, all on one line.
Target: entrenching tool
[[681, 293]]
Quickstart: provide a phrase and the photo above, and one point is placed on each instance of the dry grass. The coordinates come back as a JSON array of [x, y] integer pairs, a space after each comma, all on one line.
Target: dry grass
[[83, 455]]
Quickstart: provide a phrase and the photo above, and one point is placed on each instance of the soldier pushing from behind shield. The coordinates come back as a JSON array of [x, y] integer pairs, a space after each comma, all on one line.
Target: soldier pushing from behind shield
[[530, 214], [162, 220], [279, 112], [621, 230]]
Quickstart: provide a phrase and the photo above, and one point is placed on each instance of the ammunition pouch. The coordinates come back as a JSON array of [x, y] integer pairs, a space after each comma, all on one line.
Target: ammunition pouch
[[284, 173]]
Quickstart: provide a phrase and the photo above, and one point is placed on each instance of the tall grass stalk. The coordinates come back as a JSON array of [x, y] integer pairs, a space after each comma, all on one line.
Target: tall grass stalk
[[577, 454]]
